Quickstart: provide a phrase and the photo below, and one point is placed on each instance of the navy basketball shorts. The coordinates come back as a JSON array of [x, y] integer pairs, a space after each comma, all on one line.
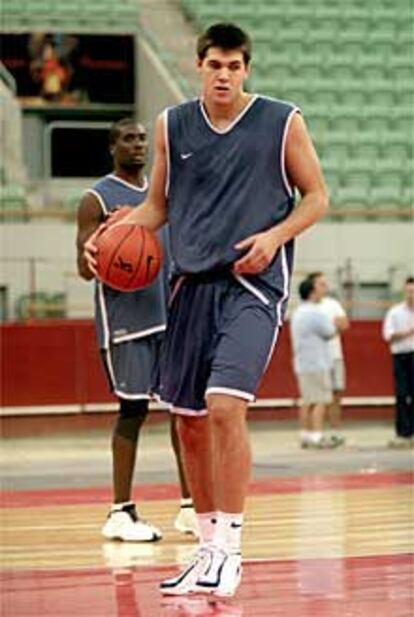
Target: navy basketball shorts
[[131, 366], [219, 339]]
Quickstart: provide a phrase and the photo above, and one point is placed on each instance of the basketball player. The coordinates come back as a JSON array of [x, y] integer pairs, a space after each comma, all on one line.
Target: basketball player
[[129, 327], [224, 174]]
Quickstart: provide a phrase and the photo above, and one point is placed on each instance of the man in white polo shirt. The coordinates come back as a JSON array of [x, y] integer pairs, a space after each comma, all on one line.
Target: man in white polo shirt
[[398, 331], [336, 314]]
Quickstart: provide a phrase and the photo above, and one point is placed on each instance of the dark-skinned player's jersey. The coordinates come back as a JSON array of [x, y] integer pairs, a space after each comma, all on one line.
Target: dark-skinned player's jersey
[[124, 316], [226, 185]]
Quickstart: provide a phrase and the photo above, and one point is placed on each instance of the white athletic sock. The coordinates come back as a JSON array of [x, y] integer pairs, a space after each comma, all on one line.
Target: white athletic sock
[[305, 436], [117, 507], [206, 526], [186, 502], [228, 531]]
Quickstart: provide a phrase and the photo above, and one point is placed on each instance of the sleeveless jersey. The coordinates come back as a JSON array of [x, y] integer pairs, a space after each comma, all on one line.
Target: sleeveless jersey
[[123, 316], [225, 185]]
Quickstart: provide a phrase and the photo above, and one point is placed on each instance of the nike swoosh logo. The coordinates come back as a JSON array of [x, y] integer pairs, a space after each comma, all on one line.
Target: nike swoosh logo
[[186, 155]]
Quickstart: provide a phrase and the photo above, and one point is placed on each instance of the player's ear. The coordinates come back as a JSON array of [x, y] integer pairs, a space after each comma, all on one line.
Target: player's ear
[[247, 68]]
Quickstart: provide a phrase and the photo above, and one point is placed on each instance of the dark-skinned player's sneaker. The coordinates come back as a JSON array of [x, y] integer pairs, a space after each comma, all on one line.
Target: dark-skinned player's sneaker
[[186, 521], [124, 524]]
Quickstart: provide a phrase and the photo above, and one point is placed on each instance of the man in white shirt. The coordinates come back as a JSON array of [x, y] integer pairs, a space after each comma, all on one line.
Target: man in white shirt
[[336, 314], [398, 331], [311, 332]]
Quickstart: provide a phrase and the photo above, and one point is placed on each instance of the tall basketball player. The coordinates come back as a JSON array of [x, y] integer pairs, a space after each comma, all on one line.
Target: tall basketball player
[[224, 174], [129, 327]]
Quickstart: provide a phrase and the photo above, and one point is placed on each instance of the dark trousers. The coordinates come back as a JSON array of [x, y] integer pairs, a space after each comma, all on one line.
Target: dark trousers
[[403, 365]]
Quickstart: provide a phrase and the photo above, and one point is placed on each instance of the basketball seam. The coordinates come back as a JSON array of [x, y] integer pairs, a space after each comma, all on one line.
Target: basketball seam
[[141, 255], [116, 249]]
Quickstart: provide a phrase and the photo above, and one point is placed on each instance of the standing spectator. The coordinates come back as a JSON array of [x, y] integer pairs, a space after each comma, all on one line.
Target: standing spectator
[[311, 332], [398, 331], [334, 310]]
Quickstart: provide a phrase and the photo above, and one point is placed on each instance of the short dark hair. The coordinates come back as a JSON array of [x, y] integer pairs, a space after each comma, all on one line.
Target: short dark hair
[[226, 36], [116, 128], [409, 280], [312, 276], [305, 288]]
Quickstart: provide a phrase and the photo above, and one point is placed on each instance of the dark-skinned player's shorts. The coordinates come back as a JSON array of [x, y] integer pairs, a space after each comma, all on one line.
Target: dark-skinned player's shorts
[[220, 336], [131, 366]]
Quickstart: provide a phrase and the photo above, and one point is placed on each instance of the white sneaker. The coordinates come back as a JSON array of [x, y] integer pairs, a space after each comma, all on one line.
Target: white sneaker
[[222, 576], [185, 581], [186, 521], [124, 524]]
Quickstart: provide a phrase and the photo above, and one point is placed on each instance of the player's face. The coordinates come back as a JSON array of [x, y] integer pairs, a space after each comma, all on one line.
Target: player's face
[[222, 73], [131, 147], [409, 294], [321, 286]]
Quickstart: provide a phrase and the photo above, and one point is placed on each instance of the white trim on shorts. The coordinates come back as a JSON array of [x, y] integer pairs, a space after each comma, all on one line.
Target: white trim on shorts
[[132, 397], [105, 321], [248, 285], [186, 411], [246, 396], [272, 348], [110, 367], [285, 273], [176, 289], [138, 335]]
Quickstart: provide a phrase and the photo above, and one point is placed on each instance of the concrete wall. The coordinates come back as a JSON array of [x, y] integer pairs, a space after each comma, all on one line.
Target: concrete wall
[[155, 89], [42, 255]]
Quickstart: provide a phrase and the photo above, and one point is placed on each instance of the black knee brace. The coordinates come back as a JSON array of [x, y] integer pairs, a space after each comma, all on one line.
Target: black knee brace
[[132, 415]]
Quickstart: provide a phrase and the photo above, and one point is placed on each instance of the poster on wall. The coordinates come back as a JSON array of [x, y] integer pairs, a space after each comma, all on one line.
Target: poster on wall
[[70, 68]]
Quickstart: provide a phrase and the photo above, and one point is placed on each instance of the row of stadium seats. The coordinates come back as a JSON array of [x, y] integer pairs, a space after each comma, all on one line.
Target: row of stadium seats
[[349, 67], [41, 305], [105, 15]]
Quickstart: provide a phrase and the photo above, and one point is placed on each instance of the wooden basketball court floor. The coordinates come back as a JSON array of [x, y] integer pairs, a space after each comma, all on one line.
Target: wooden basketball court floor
[[327, 534]]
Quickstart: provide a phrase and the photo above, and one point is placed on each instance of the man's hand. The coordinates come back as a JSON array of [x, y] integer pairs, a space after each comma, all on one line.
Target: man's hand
[[262, 249], [90, 249]]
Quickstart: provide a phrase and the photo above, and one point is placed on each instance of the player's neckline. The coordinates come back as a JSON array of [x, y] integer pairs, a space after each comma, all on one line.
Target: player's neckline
[[140, 189], [233, 123]]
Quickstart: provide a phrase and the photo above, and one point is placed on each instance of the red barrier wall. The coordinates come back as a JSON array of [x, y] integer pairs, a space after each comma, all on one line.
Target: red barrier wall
[[56, 362]]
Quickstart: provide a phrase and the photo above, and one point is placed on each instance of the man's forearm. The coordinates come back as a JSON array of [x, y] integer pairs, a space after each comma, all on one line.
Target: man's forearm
[[401, 335], [310, 209], [148, 216]]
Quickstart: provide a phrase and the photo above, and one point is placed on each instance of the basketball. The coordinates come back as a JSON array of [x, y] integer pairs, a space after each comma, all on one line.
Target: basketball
[[129, 256]]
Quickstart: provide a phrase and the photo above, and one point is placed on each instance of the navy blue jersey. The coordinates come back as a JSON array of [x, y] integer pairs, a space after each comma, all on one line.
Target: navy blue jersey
[[225, 185], [123, 316]]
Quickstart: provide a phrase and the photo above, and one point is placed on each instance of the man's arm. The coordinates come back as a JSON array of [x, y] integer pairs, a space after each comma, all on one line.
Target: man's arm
[[390, 333], [341, 319], [304, 172], [152, 213], [90, 216], [324, 326]]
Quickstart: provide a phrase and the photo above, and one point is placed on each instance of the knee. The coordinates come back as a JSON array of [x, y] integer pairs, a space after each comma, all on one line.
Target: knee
[[192, 432], [132, 415], [227, 413]]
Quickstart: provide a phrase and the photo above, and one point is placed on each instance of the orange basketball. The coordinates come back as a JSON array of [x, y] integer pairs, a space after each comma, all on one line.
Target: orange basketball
[[129, 256]]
